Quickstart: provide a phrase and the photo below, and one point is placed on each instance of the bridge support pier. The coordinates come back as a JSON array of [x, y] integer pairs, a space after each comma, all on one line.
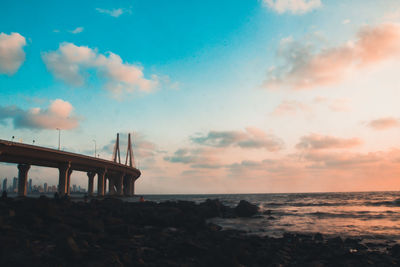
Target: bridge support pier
[[69, 182], [101, 183], [129, 186], [125, 185], [22, 179], [111, 185], [63, 178], [119, 182], [90, 185]]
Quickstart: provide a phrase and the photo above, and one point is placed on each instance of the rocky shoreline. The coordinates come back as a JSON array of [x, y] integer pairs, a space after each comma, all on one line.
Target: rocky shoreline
[[111, 232]]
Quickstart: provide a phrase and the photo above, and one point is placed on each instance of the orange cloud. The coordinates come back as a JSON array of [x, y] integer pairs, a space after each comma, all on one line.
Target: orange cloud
[[304, 69], [384, 123]]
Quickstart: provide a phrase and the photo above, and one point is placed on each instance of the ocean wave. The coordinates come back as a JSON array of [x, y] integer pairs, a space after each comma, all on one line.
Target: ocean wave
[[302, 204], [362, 215], [394, 203], [268, 205]]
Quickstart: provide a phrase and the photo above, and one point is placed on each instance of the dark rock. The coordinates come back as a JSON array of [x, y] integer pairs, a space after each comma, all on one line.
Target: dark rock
[[110, 232], [318, 237], [246, 209], [214, 227], [395, 251], [68, 247], [267, 212], [210, 208], [335, 241]]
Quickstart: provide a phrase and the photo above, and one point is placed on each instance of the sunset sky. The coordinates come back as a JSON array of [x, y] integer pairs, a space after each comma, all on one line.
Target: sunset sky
[[255, 96]]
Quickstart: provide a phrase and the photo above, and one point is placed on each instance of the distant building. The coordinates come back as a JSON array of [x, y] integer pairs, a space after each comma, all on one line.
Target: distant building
[[15, 184], [30, 186], [45, 188], [74, 188], [52, 189], [5, 184]]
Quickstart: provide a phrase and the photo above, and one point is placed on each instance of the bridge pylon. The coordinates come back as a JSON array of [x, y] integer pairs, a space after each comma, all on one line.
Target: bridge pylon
[[116, 153], [129, 153]]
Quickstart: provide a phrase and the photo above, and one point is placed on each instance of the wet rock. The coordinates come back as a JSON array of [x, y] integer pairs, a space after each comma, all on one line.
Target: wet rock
[[210, 208], [395, 251], [318, 237], [246, 209], [214, 227], [110, 232], [67, 246], [335, 242], [267, 212]]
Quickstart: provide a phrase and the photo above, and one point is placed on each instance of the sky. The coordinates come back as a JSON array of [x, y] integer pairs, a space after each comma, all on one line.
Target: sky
[[263, 96]]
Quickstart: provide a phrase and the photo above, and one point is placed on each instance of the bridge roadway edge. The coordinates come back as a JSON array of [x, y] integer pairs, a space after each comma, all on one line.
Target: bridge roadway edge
[[24, 154]]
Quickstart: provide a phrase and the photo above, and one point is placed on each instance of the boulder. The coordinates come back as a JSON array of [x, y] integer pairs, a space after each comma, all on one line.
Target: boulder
[[246, 209]]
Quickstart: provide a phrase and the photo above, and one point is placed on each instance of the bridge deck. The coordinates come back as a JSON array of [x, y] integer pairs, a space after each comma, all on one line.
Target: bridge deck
[[13, 152]]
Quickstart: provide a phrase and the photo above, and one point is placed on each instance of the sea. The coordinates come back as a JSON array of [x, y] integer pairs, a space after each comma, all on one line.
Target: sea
[[372, 217]]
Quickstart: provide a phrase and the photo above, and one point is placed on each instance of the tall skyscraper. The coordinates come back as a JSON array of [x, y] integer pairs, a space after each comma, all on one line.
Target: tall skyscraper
[[45, 188], [30, 186], [5, 184], [15, 184]]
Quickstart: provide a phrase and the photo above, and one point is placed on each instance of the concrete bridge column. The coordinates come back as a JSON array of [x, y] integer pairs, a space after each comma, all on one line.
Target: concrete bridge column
[[69, 181], [101, 182], [90, 185], [22, 179], [128, 185], [63, 178], [119, 184], [111, 188]]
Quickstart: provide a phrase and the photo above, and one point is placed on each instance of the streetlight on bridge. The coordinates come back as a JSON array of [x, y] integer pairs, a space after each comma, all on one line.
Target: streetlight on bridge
[[59, 138], [95, 148]]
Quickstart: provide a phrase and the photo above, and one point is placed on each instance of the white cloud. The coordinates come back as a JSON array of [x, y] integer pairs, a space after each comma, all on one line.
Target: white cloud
[[70, 63], [346, 21], [293, 6], [115, 12], [12, 54], [77, 30], [287, 107], [57, 115], [393, 15]]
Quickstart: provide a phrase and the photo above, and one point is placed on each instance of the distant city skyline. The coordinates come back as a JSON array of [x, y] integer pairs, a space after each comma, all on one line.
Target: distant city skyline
[[34, 188], [257, 96]]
